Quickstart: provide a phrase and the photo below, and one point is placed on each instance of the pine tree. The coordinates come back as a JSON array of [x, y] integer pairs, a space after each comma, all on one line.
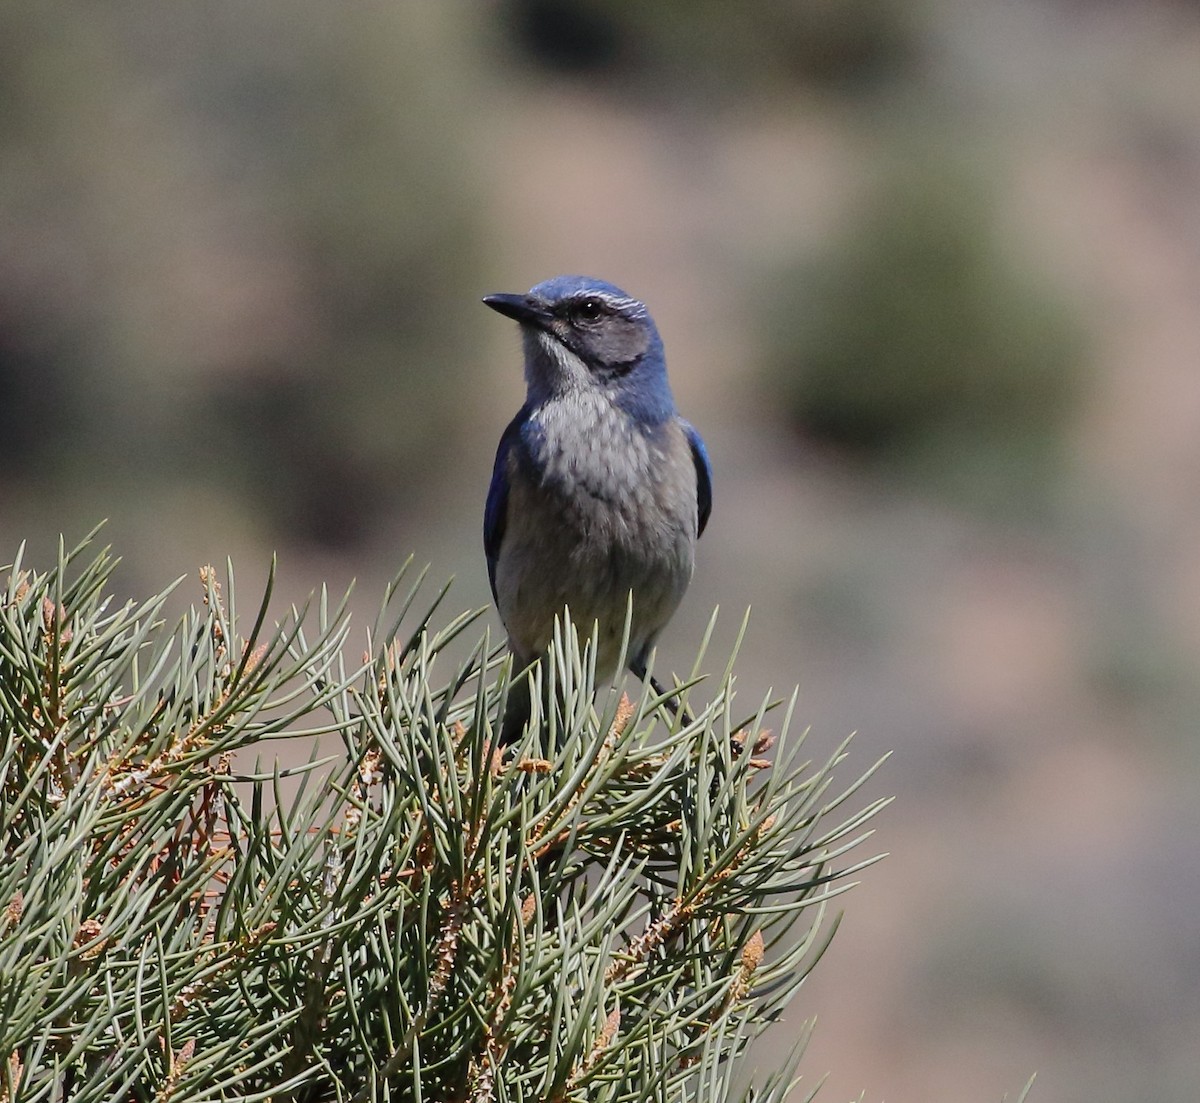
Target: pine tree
[[610, 910]]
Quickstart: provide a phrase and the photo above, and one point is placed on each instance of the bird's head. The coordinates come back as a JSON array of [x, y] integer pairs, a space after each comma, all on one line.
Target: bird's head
[[585, 334]]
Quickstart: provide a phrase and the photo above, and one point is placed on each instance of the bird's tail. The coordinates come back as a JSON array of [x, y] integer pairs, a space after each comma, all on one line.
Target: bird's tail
[[518, 708]]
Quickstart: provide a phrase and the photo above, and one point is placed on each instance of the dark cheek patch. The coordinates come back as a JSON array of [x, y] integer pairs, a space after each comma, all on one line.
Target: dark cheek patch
[[618, 341]]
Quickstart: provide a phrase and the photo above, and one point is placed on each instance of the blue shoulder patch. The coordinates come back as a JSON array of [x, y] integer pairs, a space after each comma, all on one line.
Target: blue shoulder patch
[[703, 475]]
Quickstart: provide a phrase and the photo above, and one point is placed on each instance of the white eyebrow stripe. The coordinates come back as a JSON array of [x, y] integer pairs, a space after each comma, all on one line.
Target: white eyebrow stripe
[[619, 303]]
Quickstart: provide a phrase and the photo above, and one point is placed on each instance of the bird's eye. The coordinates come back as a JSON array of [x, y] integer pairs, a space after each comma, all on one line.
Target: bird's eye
[[588, 310]]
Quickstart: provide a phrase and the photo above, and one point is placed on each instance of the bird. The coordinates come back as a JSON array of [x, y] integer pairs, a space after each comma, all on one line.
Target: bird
[[599, 489]]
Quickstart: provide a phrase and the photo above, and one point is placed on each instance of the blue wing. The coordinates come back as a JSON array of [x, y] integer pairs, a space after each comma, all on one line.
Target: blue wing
[[495, 511], [703, 475]]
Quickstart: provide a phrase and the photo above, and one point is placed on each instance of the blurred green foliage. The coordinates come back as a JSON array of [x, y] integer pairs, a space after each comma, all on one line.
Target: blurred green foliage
[[713, 45], [379, 208], [235, 234], [919, 344]]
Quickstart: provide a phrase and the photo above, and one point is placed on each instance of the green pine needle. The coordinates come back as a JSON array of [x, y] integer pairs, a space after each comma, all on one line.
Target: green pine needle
[[612, 909]]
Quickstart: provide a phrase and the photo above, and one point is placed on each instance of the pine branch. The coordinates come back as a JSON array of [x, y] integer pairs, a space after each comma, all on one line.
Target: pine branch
[[611, 909]]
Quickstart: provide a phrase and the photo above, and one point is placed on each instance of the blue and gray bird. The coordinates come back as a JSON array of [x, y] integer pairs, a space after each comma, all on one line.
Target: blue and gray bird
[[600, 489]]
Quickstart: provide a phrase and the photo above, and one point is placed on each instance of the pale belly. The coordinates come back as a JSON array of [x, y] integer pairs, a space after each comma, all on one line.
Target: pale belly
[[590, 556]]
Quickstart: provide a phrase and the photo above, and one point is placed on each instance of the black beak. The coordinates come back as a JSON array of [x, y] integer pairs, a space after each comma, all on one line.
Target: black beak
[[524, 308]]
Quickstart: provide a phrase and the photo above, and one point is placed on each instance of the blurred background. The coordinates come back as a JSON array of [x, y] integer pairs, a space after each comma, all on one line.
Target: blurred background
[[928, 274]]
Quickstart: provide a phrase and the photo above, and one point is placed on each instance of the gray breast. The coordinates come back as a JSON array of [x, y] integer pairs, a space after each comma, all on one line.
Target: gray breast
[[620, 485], [608, 509]]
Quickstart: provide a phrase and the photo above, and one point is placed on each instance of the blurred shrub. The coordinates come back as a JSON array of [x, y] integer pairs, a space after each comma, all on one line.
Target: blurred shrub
[[234, 234], [715, 44], [917, 344], [365, 124]]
